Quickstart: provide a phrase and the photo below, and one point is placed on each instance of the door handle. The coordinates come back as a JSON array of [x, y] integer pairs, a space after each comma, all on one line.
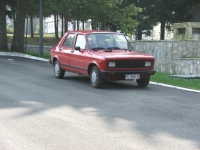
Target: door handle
[[72, 51]]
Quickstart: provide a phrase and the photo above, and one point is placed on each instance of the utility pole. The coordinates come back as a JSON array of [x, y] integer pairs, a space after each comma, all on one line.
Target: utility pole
[[136, 35], [41, 29]]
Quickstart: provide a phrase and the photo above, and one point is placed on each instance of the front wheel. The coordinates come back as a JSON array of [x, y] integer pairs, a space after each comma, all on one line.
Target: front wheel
[[58, 71], [96, 79], [143, 82]]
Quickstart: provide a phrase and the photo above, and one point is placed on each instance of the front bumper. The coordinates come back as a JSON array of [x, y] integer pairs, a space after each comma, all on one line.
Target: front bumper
[[123, 73]]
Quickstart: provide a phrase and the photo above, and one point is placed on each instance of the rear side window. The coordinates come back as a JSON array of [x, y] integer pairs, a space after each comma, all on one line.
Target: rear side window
[[81, 41], [69, 41]]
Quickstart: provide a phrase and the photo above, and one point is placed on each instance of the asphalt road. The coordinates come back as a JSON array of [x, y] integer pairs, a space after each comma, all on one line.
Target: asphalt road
[[40, 112]]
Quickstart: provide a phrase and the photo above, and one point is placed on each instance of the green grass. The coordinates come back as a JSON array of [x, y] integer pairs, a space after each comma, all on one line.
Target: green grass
[[180, 82], [48, 39], [191, 57], [45, 55]]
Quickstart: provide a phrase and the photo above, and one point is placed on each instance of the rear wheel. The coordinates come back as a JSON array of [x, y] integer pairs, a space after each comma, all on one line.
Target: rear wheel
[[96, 79], [143, 82], [58, 71]]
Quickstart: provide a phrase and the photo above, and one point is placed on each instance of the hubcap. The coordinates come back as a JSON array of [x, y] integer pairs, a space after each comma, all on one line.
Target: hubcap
[[57, 70], [94, 77]]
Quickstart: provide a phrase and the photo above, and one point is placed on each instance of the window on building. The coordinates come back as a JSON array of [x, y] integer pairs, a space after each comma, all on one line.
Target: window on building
[[195, 30], [181, 30]]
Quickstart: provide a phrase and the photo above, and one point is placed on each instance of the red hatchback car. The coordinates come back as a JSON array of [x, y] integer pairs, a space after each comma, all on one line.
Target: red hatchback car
[[101, 55]]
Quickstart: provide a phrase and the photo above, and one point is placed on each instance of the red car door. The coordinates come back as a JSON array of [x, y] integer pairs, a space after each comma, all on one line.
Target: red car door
[[77, 57], [65, 49]]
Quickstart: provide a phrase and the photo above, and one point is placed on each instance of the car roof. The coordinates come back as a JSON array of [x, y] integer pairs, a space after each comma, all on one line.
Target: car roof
[[91, 31]]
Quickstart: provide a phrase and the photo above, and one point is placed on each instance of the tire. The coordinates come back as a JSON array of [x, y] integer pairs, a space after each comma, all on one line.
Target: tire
[[96, 79], [143, 82], [58, 71]]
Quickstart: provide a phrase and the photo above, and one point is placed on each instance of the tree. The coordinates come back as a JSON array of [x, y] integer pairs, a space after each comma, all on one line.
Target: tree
[[143, 25], [194, 7], [3, 34], [167, 12], [110, 15], [18, 37], [32, 12]]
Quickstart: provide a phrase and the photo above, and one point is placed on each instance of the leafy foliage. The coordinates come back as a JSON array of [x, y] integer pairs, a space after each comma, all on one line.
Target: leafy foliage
[[127, 16]]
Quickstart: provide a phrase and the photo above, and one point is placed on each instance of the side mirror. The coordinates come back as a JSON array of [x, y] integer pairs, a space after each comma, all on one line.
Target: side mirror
[[77, 48]]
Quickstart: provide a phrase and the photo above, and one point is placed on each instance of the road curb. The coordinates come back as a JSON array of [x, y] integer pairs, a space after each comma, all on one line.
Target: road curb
[[175, 87], [22, 55]]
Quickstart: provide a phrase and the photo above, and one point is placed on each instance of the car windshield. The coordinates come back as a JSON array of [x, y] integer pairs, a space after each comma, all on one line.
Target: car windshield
[[107, 41]]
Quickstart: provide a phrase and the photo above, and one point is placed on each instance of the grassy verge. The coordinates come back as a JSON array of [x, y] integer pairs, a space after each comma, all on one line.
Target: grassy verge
[[48, 40], [167, 79], [45, 55]]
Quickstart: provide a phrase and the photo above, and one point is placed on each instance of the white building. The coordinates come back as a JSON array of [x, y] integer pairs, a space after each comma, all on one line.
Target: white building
[[156, 34], [50, 26]]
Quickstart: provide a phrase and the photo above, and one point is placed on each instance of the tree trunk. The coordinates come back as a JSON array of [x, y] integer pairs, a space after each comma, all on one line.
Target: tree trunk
[[66, 24], [31, 25], [162, 30], [83, 25], [56, 24], [62, 28], [18, 37], [139, 29], [77, 24], [74, 25], [103, 25], [93, 24], [3, 33]]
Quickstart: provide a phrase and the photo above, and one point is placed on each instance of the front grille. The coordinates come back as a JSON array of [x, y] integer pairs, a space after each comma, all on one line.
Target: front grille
[[130, 64]]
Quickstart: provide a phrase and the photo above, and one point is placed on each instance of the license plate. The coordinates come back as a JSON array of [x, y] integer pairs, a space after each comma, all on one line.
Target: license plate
[[132, 76]]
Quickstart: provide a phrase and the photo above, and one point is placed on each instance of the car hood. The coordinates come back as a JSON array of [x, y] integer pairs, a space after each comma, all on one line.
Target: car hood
[[117, 54]]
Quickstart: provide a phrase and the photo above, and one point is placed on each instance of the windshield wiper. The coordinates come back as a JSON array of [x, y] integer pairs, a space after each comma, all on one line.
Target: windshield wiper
[[111, 48], [97, 48], [108, 50]]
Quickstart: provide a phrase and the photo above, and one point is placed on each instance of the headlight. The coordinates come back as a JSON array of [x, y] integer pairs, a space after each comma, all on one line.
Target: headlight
[[148, 64], [111, 64]]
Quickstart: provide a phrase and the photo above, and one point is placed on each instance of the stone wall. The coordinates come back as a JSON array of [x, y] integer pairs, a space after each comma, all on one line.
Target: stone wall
[[174, 57], [186, 49], [186, 66]]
